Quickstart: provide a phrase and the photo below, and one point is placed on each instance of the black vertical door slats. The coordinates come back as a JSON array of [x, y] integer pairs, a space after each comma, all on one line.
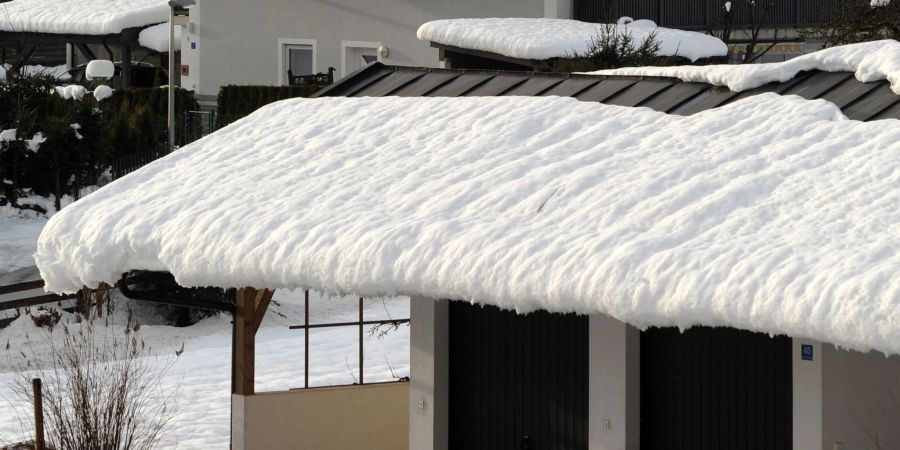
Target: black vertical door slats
[[715, 389], [513, 376]]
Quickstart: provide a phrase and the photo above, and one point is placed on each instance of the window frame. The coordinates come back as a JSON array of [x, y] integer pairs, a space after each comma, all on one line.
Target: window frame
[[284, 44], [358, 44]]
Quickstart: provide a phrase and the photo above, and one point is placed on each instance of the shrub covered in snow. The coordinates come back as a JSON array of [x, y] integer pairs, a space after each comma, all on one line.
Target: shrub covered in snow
[[57, 139]]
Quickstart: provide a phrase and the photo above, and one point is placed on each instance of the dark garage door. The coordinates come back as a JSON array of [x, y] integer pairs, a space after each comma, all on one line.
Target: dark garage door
[[513, 376], [715, 389]]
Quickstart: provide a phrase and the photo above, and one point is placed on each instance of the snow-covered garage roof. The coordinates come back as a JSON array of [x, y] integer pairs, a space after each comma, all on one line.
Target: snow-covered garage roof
[[541, 38], [773, 213], [82, 17]]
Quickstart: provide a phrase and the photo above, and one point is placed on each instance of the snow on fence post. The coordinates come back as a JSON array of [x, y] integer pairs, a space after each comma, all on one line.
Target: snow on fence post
[[38, 415]]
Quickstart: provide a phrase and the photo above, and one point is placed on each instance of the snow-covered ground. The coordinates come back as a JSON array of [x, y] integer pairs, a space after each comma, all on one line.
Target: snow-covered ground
[[18, 238], [202, 372]]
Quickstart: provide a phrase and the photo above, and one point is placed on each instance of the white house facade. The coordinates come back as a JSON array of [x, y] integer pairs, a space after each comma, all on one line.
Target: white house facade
[[238, 42]]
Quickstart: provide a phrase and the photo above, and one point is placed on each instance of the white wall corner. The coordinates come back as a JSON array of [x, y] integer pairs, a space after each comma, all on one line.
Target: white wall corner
[[807, 395], [613, 384], [237, 422], [429, 374], [558, 9]]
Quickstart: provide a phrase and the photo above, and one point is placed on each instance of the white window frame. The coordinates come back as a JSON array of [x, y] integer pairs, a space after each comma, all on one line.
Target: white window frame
[[357, 44], [282, 53]]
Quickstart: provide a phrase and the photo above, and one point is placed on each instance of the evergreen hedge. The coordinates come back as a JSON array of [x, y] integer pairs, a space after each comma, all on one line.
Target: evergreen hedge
[[235, 102]]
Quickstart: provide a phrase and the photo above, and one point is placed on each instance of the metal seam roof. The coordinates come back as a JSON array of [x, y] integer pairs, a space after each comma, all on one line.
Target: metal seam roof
[[859, 101]]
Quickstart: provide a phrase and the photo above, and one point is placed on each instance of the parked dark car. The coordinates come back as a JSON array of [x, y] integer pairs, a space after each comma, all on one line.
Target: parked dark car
[[142, 75]]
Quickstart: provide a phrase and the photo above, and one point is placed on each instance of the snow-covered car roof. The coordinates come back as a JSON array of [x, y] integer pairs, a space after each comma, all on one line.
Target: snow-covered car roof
[[773, 213], [83, 17]]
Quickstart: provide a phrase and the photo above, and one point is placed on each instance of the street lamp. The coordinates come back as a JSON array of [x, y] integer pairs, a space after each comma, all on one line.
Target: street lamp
[[173, 4]]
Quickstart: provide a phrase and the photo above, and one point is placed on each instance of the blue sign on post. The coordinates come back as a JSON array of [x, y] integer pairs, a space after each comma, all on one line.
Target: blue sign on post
[[806, 352]]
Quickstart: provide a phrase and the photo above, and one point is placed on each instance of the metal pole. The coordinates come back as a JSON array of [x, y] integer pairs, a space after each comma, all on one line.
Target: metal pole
[[306, 339], [360, 340], [38, 415], [171, 78]]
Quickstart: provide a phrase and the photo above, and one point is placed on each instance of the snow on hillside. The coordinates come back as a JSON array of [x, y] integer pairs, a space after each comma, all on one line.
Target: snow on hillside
[[554, 38], [202, 373], [90, 17], [772, 214], [870, 61]]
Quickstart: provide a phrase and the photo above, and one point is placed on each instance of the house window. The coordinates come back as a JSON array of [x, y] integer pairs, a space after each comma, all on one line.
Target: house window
[[296, 57], [357, 55]]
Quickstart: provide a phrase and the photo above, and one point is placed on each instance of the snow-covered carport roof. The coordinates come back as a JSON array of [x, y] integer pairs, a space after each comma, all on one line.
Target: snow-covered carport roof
[[79, 22], [771, 213]]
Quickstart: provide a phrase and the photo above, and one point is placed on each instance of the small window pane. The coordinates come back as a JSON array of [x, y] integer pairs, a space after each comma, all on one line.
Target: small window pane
[[300, 60]]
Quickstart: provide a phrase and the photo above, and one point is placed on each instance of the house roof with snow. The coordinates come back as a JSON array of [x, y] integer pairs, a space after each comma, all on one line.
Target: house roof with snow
[[771, 213], [529, 41], [83, 17], [132, 22], [858, 100]]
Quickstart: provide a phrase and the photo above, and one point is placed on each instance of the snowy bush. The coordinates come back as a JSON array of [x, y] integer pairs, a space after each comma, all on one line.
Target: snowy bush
[[101, 389], [610, 49], [58, 139]]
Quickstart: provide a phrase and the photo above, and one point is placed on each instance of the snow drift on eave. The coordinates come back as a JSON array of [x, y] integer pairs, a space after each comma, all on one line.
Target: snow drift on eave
[[555, 38], [870, 61], [773, 214], [87, 17]]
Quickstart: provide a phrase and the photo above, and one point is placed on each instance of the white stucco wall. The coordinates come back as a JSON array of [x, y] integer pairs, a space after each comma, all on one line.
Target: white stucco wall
[[861, 400], [613, 384], [429, 373], [237, 41], [807, 396]]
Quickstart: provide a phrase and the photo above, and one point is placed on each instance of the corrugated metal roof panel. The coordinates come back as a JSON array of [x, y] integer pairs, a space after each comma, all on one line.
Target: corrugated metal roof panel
[[876, 101], [676, 95], [860, 101], [711, 98], [605, 89], [498, 85], [571, 87], [534, 86], [429, 82], [387, 85], [818, 84], [848, 92], [891, 112], [348, 87], [461, 84], [638, 92]]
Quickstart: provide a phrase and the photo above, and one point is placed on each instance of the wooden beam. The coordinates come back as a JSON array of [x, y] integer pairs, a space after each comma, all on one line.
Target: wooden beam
[[261, 303], [243, 353]]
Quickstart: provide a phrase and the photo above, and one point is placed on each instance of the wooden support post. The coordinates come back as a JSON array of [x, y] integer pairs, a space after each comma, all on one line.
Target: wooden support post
[[361, 340], [306, 338], [38, 415], [126, 66], [250, 309]]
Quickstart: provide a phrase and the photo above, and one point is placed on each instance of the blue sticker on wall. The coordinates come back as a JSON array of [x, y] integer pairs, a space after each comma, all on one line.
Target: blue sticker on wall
[[193, 45], [806, 352]]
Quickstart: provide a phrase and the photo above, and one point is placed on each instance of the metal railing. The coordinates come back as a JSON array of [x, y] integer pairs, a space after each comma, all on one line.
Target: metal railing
[[361, 323]]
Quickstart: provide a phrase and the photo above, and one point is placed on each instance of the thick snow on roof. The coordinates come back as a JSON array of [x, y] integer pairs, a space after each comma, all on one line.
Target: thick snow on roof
[[157, 37], [88, 17], [552, 38], [871, 61], [773, 213]]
